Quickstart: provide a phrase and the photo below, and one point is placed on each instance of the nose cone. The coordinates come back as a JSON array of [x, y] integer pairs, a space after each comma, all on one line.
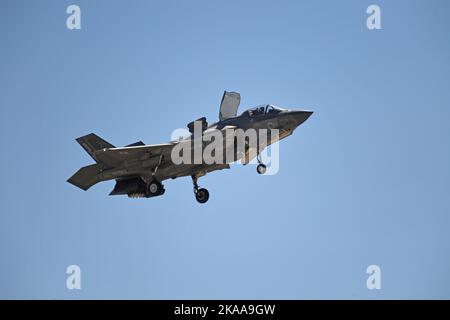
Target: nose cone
[[300, 116]]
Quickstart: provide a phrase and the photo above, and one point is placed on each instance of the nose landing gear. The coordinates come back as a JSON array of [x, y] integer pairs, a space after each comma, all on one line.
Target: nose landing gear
[[201, 194], [261, 168]]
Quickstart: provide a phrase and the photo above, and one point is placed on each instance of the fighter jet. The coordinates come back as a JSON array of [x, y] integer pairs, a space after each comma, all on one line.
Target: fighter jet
[[140, 169]]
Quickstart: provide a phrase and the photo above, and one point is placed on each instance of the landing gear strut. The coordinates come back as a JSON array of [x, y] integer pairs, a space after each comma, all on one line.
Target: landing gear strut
[[201, 195], [154, 187], [261, 168]]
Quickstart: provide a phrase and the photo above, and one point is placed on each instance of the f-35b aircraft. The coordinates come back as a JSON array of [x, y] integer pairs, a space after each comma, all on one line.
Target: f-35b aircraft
[[139, 169]]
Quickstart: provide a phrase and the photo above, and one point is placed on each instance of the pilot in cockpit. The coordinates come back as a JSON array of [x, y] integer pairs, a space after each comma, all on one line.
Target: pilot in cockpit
[[257, 111]]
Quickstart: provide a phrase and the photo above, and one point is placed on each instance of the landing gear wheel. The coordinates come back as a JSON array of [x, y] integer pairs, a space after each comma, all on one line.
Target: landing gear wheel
[[154, 188], [261, 168], [202, 195]]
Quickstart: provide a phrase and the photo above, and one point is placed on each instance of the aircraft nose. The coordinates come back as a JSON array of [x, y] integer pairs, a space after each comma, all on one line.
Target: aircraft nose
[[300, 116]]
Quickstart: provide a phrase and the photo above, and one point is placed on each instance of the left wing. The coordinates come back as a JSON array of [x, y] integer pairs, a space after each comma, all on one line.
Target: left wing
[[116, 156]]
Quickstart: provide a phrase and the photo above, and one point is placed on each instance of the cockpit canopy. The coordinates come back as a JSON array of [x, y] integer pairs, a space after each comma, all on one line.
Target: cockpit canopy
[[263, 109]]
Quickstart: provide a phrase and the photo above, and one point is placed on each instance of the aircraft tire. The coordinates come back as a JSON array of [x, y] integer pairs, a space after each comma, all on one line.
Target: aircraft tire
[[202, 195], [261, 168], [154, 188]]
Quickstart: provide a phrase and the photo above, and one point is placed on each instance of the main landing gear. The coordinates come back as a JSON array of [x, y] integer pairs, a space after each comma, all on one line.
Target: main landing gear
[[201, 195], [261, 168], [155, 188]]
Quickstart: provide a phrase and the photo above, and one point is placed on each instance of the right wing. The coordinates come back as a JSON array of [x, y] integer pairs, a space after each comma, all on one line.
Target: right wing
[[139, 143]]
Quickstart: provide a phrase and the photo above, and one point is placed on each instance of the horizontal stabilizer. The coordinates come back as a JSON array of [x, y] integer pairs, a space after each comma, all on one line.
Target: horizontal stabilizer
[[86, 177], [92, 143]]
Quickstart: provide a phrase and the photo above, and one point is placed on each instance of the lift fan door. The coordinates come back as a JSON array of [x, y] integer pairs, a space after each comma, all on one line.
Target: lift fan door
[[229, 105]]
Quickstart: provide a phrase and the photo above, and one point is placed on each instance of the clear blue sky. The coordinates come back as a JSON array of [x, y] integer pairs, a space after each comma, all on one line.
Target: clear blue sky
[[364, 181]]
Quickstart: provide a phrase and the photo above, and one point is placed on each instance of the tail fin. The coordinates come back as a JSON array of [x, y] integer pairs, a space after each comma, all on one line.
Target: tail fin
[[92, 143], [86, 177]]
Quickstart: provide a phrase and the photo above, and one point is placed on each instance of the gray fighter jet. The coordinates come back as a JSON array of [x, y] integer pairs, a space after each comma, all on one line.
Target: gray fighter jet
[[139, 169]]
